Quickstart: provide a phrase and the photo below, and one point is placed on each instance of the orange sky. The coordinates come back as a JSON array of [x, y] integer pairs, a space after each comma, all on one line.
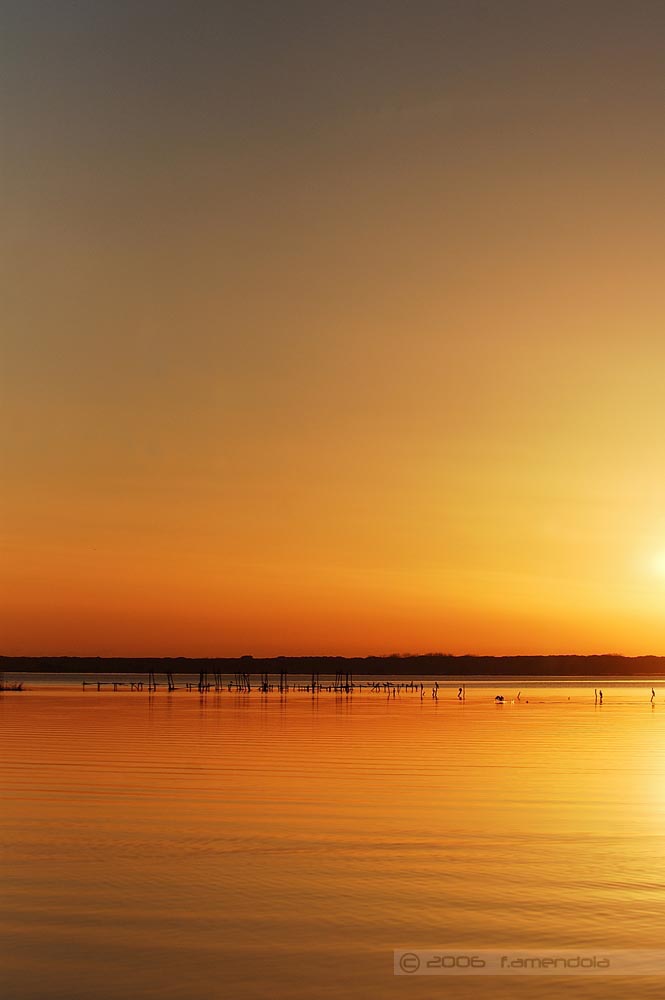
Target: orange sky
[[333, 331]]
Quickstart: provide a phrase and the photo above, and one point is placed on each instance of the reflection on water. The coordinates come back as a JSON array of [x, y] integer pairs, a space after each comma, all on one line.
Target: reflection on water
[[254, 846]]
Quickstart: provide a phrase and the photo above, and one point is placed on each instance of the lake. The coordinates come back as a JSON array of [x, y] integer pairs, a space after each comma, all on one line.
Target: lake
[[282, 846]]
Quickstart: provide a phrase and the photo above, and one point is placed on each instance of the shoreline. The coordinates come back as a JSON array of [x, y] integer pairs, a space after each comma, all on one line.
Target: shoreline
[[444, 667]]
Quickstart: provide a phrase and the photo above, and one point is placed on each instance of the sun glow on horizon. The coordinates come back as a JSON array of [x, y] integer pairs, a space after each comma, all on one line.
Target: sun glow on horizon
[[656, 564]]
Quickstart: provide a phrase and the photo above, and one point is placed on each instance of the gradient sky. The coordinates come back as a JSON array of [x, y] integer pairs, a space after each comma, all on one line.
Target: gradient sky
[[332, 327]]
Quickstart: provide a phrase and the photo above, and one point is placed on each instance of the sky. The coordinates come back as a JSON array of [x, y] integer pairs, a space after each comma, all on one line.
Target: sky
[[332, 327]]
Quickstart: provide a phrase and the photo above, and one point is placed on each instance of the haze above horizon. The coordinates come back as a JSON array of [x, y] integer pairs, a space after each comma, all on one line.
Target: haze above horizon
[[332, 327]]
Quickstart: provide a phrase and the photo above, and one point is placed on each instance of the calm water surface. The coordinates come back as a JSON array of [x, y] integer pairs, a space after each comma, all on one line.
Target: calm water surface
[[250, 846]]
